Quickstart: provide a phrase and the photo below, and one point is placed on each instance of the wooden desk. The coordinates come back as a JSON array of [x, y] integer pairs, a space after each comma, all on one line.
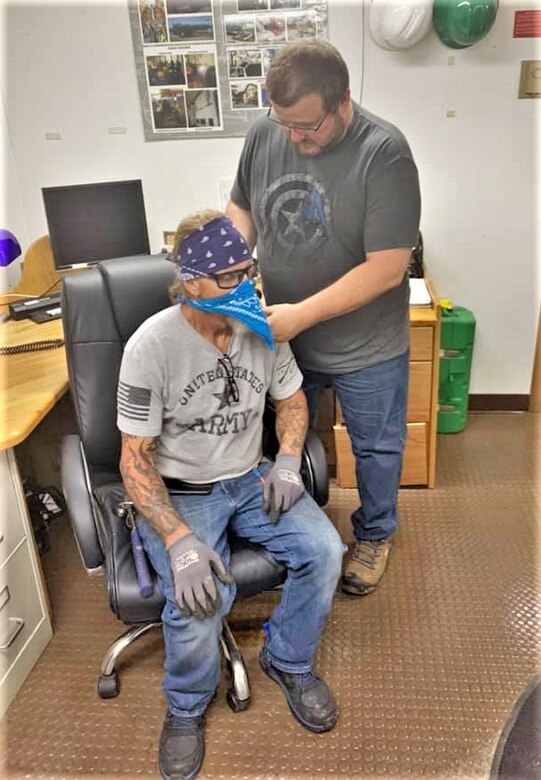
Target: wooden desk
[[31, 383]]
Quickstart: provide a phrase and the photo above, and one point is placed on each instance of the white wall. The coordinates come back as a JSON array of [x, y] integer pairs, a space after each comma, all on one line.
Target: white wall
[[69, 68], [480, 173]]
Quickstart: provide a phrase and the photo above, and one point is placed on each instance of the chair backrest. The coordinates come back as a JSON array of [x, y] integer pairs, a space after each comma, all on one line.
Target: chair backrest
[[101, 309]]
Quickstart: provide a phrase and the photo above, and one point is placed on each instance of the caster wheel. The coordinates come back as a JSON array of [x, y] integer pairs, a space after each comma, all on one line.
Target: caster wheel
[[108, 686], [237, 705]]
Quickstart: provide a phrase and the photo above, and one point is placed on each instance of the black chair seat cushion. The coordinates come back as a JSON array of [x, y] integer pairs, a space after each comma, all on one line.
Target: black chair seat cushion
[[253, 568]]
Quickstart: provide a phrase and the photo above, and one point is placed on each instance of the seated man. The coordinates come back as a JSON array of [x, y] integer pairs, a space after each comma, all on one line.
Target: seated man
[[190, 404]]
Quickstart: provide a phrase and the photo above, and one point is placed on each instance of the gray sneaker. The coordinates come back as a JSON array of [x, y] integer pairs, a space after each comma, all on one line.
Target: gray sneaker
[[365, 567]]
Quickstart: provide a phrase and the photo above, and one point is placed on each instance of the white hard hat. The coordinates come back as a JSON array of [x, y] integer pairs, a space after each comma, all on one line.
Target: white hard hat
[[399, 24]]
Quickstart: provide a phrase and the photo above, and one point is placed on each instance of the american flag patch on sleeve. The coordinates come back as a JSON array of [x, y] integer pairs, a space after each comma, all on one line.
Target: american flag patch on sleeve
[[133, 402]]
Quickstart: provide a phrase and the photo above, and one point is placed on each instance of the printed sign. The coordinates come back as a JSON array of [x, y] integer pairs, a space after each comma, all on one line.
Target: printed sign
[[527, 24]]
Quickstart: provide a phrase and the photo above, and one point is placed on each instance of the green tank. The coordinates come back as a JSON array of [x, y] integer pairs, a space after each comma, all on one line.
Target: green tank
[[456, 350]]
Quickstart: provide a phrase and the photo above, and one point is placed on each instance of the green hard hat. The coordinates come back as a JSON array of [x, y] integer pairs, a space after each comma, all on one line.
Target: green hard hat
[[461, 23]]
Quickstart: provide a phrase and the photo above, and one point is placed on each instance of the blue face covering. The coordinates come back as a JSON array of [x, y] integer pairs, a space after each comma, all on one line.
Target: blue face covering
[[243, 304]]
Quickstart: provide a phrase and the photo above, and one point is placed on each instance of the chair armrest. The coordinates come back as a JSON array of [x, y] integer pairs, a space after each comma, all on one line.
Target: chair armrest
[[76, 489], [314, 468], [122, 585]]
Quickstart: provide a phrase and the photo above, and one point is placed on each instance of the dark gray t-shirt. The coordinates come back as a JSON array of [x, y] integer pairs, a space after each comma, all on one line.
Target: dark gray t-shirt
[[172, 387], [316, 217]]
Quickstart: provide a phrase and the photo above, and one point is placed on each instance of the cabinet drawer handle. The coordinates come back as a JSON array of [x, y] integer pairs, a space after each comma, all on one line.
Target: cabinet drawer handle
[[1, 537], [17, 627]]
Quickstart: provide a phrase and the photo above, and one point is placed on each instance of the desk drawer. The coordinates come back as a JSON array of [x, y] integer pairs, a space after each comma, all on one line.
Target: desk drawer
[[415, 464], [21, 609], [421, 342], [12, 529], [419, 392]]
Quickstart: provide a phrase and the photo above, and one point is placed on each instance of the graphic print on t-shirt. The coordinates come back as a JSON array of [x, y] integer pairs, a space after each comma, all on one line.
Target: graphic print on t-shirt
[[286, 369], [218, 424], [222, 416], [296, 210], [225, 397], [133, 402]]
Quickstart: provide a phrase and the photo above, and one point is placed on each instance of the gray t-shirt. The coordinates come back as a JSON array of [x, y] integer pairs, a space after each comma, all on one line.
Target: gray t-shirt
[[316, 217], [173, 388]]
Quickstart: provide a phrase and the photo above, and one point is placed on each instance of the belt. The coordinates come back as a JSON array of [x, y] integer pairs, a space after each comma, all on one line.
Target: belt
[[180, 487]]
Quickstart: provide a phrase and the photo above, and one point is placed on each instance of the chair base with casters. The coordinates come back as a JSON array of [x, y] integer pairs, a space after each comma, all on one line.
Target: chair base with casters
[[101, 309], [238, 692], [108, 682]]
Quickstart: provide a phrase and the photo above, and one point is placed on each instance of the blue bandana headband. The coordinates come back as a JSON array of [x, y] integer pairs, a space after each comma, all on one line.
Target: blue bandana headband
[[215, 246], [243, 304]]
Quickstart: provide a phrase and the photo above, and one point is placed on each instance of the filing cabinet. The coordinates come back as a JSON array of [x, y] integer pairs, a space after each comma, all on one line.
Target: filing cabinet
[[25, 625]]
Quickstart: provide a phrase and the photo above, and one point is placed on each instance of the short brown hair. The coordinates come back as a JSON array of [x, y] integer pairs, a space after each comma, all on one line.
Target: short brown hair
[[306, 66], [187, 226]]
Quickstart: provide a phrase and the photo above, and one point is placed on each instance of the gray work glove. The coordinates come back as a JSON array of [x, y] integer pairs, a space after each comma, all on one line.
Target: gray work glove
[[283, 486], [192, 564]]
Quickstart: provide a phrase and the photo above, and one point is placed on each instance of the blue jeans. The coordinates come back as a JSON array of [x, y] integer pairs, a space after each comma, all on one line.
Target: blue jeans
[[374, 405], [303, 539]]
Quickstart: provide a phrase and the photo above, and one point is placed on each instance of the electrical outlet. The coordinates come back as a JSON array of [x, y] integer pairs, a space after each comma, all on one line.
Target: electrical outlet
[[225, 189], [53, 136]]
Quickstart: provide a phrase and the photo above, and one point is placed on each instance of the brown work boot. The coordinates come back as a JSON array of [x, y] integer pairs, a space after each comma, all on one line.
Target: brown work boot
[[365, 566]]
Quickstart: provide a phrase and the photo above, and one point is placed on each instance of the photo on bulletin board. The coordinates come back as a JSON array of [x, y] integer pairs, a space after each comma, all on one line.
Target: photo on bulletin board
[[201, 64]]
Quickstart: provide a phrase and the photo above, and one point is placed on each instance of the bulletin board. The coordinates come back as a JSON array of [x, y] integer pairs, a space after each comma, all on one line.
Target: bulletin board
[[201, 64]]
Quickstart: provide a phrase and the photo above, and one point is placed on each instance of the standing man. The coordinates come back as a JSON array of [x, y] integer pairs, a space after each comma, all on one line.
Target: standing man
[[330, 195]]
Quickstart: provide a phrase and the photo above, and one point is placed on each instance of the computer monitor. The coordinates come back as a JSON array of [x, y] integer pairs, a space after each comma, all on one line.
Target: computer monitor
[[92, 222]]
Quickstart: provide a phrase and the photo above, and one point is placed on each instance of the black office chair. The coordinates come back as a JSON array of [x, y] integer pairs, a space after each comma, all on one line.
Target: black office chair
[[101, 308]]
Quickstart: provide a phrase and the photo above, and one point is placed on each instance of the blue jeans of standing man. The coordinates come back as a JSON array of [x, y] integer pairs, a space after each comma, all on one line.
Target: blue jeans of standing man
[[374, 406], [303, 539]]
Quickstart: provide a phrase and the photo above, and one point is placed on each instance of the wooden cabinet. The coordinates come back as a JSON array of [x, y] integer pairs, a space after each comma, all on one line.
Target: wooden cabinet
[[419, 466]]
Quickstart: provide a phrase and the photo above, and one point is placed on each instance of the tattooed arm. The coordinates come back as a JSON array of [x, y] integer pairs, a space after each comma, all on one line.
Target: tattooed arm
[[144, 486], [292, 423]]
